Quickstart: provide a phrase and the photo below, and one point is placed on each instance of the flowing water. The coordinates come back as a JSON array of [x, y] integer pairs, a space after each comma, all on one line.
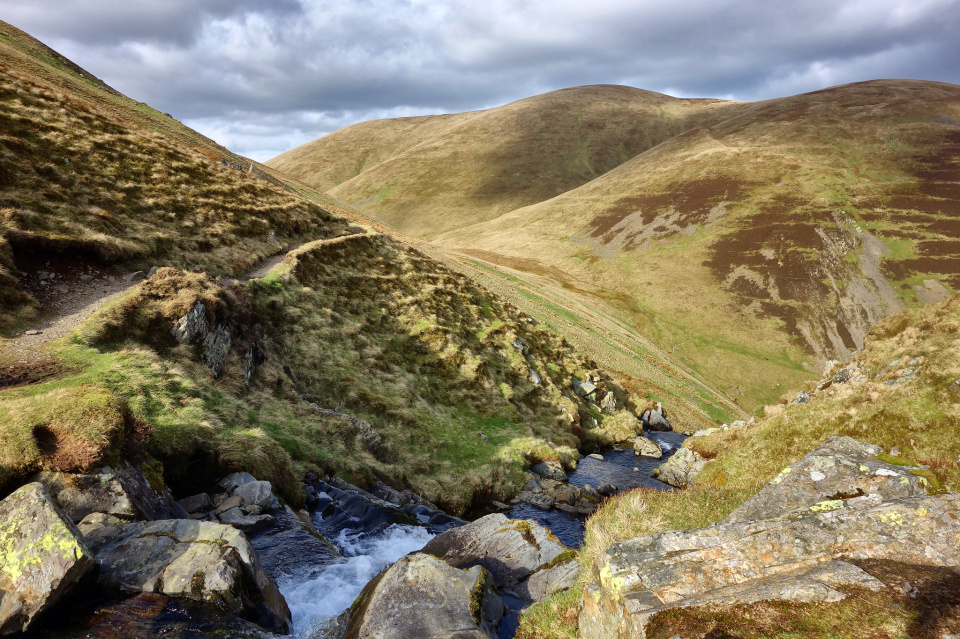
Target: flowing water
[[318, 593]]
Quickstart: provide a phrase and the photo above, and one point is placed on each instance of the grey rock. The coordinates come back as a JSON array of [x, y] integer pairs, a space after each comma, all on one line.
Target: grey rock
[[43, 557], [647, 448], [511, 549], [123, 491], [192, 328], [136, 276], [840, 469], [421, 597], [229, 504], [216, 347], [801, 398], [247, 523], [681, 469], [193, 559], [547, 581], [234, 480], [196, 503], [609, 404], [256, 493], [583, 389], [743, 562], [656, 419], [153, 270], [254, 358], [549, 470], [535, 377]]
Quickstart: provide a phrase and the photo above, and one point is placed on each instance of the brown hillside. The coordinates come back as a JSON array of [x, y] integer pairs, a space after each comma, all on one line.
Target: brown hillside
[[474, 167], [777, 234]]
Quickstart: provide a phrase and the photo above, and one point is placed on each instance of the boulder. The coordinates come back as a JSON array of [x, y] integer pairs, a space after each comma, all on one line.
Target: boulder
[[234, 480], [42, 556], [200, 560], [842, 468], [421, 597], [584, 389], [681, 469], [647, 448], [510, 549], [196, 503], [248, 523], [655, 419], [256, 493], [744, 562], [123, 491], [549, 470], [609, 404]]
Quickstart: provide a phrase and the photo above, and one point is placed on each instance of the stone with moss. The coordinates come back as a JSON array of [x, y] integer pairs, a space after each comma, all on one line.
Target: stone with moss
[[42, 556]]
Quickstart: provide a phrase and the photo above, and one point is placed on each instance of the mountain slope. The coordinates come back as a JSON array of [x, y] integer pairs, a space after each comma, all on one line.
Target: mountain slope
[[781, 232], [425, 176]]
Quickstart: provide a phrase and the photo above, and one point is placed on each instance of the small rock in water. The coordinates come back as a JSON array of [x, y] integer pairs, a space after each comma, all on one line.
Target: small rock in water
[[636, 470], [596, 456], [501, 505]]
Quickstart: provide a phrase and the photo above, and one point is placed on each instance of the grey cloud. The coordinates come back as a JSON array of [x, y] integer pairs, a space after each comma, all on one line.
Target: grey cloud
[[263, 74]]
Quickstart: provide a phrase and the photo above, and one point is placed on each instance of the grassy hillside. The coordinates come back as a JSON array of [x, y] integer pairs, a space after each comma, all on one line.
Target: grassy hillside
[[348, 351], [425, 176], [769, 241]]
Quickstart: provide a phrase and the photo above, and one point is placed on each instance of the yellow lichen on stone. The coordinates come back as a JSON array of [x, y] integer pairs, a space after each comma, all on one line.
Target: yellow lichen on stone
[[864, 469], [613, 584], [922, 512], [783, 473], [15, 561], [827, 506], [893, 519]]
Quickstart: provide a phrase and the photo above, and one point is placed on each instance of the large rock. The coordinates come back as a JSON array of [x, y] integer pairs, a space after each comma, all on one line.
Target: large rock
[[256, 493], [841, 468], [195, 559], [511, 549], [549, 470], [547, 581], [745, 562], [681, 469], [42, 556], [647, 448], [421, 597], [655, 418], [124, 491]]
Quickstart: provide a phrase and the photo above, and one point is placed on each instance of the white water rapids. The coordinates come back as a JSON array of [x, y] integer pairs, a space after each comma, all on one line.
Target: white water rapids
[[320, 594]]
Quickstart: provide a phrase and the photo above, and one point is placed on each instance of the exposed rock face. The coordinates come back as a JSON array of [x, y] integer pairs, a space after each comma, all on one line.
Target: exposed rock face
[[123, 491], [183, 558], [421, 597], [42, 556], [842, 468], [745, 562], [647, 448], [681, 469]]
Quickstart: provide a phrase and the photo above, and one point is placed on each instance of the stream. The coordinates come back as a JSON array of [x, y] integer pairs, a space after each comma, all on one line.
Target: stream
[[320, 586]]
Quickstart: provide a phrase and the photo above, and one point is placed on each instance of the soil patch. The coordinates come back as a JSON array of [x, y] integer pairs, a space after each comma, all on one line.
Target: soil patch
[[22, 374]]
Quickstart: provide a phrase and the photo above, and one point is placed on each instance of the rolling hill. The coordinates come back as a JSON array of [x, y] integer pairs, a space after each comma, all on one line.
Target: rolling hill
[[753, 240], [428, 175]]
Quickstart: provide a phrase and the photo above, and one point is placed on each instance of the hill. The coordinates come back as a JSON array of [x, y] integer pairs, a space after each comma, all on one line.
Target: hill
[[424, 176], [179, 298], [780, 233]]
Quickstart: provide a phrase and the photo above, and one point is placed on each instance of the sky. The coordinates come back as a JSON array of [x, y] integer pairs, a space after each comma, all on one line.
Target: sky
[[263, 76]]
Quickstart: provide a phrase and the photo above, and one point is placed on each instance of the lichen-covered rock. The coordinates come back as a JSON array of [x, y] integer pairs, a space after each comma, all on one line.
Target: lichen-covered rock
[[609, 404], [421, 597], [681, 469], [511, 549], [42, 556], [842, 468], [123, 490], [195, 559], [256, 493], [744, 562], [647, 448]]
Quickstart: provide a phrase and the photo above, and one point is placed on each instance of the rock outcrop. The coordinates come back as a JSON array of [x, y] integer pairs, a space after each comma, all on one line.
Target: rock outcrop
[[842, 468], [123, 490], [655, 418], [42, 556], [193, 559], [421, 597], [681, 469], [792, 541]]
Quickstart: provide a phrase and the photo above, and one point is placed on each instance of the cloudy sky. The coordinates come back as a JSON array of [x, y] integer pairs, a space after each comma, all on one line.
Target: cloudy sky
[[262, 76]]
